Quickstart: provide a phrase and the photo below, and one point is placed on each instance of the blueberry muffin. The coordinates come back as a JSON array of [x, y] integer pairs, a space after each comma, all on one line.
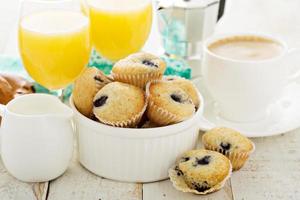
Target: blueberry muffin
[[138, 69], [200, 171], [187, 86], [230, 143], [168, 103], [85, 87], [119, 104]]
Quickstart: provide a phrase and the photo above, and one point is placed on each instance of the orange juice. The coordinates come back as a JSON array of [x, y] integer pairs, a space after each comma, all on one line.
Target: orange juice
[[119, 27], [54, 46]]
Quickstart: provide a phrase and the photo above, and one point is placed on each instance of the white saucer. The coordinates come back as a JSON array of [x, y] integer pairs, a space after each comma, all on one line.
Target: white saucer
[[283, 116]]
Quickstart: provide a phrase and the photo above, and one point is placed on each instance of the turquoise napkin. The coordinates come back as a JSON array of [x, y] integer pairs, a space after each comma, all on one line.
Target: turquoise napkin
[[175, 66], [13, 65]]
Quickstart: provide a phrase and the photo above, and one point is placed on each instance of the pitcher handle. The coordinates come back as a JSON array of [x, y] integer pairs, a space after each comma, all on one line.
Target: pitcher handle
[[2, 108]]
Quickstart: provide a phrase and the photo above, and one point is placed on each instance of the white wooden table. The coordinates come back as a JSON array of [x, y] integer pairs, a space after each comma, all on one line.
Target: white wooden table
[[273, 172]]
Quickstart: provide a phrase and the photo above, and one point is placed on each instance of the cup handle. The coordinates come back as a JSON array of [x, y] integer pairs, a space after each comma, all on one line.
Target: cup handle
[[204, 124], [294, 56]]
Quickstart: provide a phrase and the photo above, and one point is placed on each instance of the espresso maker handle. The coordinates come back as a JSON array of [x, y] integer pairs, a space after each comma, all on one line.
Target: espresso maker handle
[[221, 9]]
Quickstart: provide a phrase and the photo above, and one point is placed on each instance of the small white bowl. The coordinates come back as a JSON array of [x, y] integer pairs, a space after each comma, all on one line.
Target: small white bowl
[[133, 155]]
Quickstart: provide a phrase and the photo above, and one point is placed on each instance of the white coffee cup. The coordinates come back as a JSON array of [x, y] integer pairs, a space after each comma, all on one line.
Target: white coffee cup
[[245, 89], [36, 137]]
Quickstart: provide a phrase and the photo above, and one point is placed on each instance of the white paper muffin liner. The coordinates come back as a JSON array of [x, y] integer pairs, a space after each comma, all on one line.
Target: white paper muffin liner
[[237, 159], [179, 182], [139, 80], [130, 123], [162, 116]]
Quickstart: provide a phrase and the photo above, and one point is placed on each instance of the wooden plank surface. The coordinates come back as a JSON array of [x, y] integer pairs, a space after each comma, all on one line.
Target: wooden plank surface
[[78, 184], [273, 172], [12, 189], [165, 191]]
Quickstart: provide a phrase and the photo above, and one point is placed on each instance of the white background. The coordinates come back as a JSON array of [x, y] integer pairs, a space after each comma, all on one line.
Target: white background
[[278, 17]]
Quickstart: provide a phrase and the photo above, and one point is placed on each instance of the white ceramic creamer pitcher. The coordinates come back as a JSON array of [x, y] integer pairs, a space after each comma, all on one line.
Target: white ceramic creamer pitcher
[[36, 137]]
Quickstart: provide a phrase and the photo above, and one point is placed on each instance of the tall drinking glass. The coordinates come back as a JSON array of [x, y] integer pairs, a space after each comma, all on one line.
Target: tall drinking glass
[[119, 27], [54, 41]]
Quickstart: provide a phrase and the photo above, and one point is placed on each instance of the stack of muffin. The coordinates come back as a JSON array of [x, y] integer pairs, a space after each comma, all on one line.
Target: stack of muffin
[[136, 94]]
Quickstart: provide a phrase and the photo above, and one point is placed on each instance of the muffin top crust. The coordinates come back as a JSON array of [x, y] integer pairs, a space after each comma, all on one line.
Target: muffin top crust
[[208, 167], [187, 86], [171, 98], [140, 63], [117, 102], [200, 171], [228, 140]]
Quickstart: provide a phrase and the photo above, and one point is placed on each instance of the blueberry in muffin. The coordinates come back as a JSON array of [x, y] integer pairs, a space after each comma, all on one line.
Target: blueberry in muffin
[[230, 143], [187, 86]]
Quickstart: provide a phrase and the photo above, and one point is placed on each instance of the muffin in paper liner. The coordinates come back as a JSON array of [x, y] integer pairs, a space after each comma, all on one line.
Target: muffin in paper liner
[[130, 123], [162, 116], [187, 85], [110, 108], [86, 86], [138, 69], [139, 80], [236, 147], [178, 181], [237, 159]]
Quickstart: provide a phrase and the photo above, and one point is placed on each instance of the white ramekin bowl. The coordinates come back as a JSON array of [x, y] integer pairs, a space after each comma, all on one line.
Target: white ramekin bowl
[[133, 155]]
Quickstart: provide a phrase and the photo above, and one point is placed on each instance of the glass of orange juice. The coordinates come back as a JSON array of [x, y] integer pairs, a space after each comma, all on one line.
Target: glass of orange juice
[[119, 27], [54, 41]]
